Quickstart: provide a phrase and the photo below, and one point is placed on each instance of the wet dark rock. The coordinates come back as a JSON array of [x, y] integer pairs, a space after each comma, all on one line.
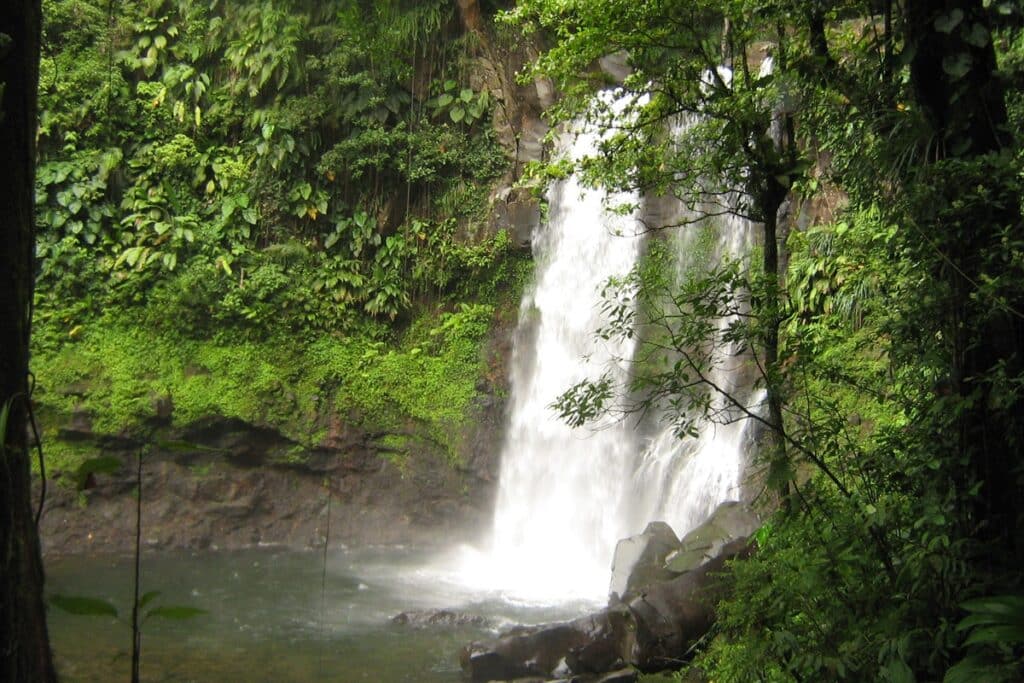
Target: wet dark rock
[[627, 675], [650, 630], [537, 651], [669, 616], [729, 522], [79, 425], [243, 484], [640, 560], [439, 617]]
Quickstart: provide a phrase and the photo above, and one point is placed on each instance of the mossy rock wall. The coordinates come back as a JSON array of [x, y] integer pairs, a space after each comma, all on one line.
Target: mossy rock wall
[[404, 434]]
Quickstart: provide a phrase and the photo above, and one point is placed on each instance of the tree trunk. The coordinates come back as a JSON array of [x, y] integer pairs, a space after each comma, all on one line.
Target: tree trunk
[[779, 468], [24, 643]]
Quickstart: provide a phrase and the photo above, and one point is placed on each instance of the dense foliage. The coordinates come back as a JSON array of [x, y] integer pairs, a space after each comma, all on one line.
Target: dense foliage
[[254, 194], [889, 331], [237, 187], [231, 142]]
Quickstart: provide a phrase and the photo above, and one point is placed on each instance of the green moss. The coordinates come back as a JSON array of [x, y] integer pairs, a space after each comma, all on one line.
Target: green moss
[[423, 383], [202, 469], [62, 456], [429, 379]]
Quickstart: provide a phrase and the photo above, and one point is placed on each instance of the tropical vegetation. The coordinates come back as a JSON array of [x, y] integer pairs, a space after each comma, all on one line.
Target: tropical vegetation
[[886, 335], [292, 196], [288, 197]]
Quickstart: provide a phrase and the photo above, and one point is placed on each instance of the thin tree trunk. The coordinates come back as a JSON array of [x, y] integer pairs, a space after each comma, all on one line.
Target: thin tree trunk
[[24, 643], [770, 320], [137, 571]]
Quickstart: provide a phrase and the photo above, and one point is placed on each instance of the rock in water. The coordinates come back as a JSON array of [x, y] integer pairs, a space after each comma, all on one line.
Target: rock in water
[[731, 521], [640, 560], [433, 618], [650, 632], [663, 614]]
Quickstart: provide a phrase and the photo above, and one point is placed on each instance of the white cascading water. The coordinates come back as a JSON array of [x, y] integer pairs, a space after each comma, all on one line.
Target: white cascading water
[[566, 496], [560, 497], [681, 481]]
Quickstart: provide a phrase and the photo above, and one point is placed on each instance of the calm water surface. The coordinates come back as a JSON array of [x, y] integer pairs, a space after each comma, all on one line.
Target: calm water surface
[[277, 615]]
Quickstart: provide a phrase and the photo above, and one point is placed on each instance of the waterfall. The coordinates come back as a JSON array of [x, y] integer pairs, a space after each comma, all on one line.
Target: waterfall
[[567, 495], [558, 511], [681, 481]]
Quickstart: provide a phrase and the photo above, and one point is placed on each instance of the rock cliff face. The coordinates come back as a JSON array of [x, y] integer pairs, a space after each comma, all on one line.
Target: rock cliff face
[[223, 483]]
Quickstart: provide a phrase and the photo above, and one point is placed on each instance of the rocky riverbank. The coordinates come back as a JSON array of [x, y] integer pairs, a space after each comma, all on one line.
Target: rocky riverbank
[[669, 591]]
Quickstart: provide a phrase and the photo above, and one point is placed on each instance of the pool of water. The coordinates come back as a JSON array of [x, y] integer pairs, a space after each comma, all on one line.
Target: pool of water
[[279, 615]]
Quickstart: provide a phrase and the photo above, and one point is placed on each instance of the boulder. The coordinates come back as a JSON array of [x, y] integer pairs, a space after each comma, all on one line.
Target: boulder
[[529, 652], [439, 618], [650, 632], [731, 521], [627, 675], [669, 616], [640, 560]]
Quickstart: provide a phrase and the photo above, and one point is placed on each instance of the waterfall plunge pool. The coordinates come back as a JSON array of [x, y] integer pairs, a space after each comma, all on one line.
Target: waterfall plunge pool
[[275, 615]]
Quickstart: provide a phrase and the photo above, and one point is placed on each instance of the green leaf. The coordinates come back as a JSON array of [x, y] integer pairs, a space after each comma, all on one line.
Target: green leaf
[[5, 413], [975, 668], [457, 114], [978, 35], [176, 612], [83, 606], [1004, 633], [897, 671], [947, 22], [997, 604], [957, 65], [148, 598]]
